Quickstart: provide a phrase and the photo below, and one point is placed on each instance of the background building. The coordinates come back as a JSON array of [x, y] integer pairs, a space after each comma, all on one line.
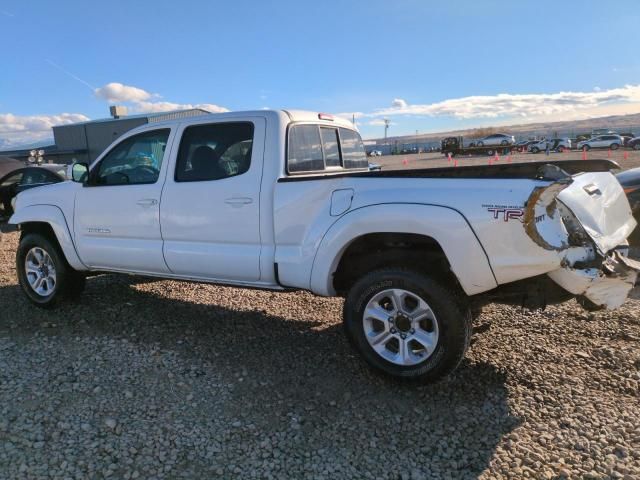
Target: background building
[[84, 141]]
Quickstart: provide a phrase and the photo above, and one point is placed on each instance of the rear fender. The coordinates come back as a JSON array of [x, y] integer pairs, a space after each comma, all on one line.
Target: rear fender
[[54, 217], [447, 226]]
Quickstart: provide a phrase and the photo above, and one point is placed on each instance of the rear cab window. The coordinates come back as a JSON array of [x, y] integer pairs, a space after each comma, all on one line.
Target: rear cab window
[[315, 148]]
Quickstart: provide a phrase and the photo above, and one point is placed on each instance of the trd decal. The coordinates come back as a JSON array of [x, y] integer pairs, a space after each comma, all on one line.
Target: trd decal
[[505, 213]]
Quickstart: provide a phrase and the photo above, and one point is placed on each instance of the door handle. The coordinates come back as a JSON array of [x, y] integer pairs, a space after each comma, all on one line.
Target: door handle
[[238, 201], [147, 202]]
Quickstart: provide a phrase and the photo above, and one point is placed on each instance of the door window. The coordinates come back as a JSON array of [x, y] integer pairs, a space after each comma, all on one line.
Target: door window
[[214, 151], [134, 161], [15, 178]]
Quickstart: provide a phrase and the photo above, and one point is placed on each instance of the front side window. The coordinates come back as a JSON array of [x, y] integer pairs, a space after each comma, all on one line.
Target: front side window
[[214, 151], [136, 160], [353, 153]]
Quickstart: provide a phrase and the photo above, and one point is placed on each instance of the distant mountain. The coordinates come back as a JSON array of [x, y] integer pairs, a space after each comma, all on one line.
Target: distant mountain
[[570, 128]]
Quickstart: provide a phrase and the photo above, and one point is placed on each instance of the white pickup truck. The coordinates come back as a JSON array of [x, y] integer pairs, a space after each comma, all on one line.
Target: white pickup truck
[[284, 200]]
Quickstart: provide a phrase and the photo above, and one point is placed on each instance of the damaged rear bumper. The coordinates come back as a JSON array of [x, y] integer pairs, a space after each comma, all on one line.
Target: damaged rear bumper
[[607, 287], [586, 219]]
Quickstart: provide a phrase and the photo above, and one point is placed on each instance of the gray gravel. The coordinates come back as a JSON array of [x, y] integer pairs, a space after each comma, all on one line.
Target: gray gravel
[[163, 379]]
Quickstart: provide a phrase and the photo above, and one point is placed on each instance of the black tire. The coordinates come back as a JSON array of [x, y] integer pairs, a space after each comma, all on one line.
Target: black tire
[[449, 307], [636, 146], [535, 150], [586, 147], [491, 152], [69, 282], [614, 146]]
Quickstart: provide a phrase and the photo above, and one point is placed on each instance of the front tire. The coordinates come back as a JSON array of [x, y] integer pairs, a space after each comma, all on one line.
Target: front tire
[[44, 274], [407, 324]]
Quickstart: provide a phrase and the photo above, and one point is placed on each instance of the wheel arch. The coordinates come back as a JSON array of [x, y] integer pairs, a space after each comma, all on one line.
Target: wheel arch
[[50, 221], [442, 233]]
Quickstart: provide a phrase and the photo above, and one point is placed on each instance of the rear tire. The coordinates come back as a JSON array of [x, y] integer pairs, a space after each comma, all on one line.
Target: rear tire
[[428, 324], [614, 146], [636, 146], [44, 274], [586, 147]]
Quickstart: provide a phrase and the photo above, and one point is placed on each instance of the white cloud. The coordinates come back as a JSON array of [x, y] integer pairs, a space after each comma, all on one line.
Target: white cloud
[[399, 103], [151, 107], [378, 122], [141, 101], [19, 129], [507, 105], [117, 92]]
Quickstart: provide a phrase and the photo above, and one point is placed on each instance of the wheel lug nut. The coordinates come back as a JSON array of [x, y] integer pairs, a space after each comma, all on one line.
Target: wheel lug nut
[[403, 336], [393, 330], [390, 319], [412, 331]]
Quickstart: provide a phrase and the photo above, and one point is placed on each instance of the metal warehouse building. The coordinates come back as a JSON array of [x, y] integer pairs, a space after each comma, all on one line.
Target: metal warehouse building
[[84, 141]]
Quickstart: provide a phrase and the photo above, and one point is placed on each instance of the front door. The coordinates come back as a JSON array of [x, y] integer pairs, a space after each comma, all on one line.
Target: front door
[[117, 212], [210, 212]]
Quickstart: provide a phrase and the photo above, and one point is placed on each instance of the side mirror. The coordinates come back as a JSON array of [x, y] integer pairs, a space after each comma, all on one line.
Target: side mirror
[[79, 172]]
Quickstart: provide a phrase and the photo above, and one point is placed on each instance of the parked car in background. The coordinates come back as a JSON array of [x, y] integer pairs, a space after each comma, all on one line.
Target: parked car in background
[[630, 181], [602, 141], [634, 143], [375, 153], [554, 144], [496, 139], [25, 178], [626, 139]]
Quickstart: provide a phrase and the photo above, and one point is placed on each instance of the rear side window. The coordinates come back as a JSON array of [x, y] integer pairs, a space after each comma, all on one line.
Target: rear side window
[[353, 154], [312, 148], [214, 151], [330, 146], [305, 149]]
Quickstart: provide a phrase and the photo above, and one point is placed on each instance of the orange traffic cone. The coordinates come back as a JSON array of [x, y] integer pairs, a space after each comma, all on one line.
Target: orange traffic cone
[[584, 153]]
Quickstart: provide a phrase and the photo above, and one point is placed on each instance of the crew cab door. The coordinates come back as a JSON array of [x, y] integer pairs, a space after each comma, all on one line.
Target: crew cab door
[[117, 211], [210, 211]]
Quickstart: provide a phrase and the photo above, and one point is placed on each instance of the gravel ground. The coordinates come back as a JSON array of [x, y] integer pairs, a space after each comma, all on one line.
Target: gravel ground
[[163, 379]]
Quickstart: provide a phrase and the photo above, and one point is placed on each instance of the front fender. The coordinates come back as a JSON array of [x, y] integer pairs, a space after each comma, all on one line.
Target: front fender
[[447, 226], [55, 218]]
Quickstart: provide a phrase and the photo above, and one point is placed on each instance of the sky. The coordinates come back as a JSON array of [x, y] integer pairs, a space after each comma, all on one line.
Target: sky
[[426, 66]]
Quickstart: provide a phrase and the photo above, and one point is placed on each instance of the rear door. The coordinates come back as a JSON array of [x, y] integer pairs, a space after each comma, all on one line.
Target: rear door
[[210, 212]]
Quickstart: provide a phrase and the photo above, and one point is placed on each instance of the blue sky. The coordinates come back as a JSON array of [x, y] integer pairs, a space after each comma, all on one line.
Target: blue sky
[[427, 66]]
